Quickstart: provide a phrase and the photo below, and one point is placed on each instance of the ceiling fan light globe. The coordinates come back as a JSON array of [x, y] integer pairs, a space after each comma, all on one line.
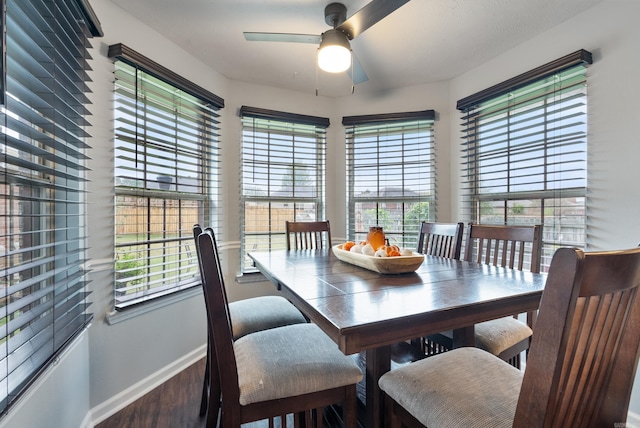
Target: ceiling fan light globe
[[334, 59], [334, 54]]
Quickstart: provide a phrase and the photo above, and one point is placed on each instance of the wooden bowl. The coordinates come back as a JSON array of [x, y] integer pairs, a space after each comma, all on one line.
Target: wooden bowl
[[386, 265]]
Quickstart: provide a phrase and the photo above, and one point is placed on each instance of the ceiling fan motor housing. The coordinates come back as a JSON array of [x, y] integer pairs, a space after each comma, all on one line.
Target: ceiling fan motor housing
[[335, 14]]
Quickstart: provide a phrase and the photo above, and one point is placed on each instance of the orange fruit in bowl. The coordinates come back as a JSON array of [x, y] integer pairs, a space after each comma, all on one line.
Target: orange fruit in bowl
[[393, 250], [347, 245]]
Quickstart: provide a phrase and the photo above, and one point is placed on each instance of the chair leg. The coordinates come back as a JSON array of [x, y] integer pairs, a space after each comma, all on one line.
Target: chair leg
[[393, 420], [350, 408], [205, 388], [214, 390], [213, 412]]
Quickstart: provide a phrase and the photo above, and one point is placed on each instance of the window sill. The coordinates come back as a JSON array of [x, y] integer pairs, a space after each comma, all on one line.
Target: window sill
[[116, 317], [251, 277]]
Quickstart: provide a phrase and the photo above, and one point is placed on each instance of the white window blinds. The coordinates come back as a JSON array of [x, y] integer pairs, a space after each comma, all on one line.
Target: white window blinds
[[283, 175], [525, 152], [43, 174], [390, 174], [166, 177]]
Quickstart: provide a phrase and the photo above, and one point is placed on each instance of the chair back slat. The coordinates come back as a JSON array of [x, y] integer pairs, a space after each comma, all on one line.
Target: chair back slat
[[505, 246], [440, 239], [586, 343], [308, 235]]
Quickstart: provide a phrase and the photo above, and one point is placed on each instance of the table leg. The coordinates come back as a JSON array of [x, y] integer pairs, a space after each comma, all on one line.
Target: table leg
[[464, 337], [378, 363]]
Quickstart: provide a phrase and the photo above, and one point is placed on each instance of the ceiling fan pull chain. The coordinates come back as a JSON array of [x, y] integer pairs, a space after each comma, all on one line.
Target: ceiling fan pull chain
[[353, 86]]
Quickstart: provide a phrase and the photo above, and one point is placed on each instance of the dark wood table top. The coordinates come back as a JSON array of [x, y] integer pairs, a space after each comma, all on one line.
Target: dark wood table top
[[362, 310]]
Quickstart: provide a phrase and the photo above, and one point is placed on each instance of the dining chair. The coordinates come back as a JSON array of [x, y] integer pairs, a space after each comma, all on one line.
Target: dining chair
[[442, 240], [247, 316], [581, 364], [436, 239], [514, 247], [292, 369], [308, 235]]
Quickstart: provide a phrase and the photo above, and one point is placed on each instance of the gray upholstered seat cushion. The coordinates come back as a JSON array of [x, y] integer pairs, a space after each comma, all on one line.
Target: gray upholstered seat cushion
[[262, 313], [288, 361], [465, 387], [497, 335]]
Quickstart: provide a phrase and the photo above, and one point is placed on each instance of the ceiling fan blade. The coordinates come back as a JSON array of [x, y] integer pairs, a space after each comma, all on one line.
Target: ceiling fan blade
[[282, 37], [359, 75], [369, 15]]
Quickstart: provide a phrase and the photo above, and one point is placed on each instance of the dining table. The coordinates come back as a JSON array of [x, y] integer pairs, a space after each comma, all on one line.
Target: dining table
[[366, 311]]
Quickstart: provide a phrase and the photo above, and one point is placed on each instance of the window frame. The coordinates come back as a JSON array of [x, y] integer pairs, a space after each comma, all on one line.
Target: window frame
[[269, 133], [378, 127], [551, 130], [158, 209]]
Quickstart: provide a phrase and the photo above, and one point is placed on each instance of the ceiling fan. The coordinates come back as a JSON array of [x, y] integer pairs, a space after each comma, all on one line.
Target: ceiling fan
[[334, 51]]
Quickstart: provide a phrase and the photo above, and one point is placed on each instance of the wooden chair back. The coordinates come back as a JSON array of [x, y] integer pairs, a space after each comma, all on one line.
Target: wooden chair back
[[219, 320], [308, 235], [586, 343], [504, 246], [440, 239], [211, 390]]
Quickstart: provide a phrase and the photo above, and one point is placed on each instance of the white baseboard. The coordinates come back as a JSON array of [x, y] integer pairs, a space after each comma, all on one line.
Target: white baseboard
[[87, 422], [633, 420], [118, 402]]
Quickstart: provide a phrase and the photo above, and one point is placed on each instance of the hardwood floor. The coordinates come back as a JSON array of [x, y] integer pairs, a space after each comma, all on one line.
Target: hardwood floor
[[174, 404]]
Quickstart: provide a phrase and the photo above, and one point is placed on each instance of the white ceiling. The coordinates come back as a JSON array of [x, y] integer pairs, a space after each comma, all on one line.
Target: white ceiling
[[423, 41]]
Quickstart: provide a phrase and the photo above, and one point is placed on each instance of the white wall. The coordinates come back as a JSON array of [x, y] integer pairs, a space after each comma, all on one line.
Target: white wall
[[60, 397], [118, 362]]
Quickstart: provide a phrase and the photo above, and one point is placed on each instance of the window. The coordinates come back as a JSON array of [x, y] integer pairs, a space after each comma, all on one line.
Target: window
[[42, 230], [524, 157], [283, 176], [166, 177], [390, 174]]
